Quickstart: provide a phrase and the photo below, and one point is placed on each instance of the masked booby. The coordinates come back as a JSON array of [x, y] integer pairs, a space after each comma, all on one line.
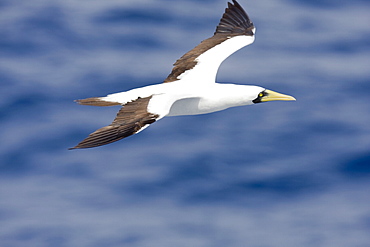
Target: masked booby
[[190, 88]]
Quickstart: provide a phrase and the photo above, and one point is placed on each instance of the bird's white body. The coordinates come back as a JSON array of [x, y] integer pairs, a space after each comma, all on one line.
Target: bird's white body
[[178, 98]]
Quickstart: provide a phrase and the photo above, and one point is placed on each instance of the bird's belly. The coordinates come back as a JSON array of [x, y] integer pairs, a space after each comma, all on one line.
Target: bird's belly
[[193, 106], [185, 107]]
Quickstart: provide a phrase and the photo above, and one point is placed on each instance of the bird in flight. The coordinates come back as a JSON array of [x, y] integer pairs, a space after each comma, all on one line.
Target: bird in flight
[[190, 89]]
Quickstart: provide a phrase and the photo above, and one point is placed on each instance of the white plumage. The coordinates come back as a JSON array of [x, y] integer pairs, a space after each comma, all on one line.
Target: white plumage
[[190, 89]]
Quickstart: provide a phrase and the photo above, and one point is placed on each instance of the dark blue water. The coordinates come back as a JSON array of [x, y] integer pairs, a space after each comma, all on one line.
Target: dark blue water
[[274, 174]]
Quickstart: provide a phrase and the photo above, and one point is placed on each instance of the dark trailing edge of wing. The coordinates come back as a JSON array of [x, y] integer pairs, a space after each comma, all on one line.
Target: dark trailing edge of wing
[[129, 120], [234, 22]]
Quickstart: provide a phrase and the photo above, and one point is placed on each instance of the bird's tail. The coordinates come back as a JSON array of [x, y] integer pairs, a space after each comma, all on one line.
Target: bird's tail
[[131, 119], [96, 101]]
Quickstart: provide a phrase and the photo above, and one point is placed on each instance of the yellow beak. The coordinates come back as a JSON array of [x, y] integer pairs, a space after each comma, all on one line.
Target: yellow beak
[[271, 96]]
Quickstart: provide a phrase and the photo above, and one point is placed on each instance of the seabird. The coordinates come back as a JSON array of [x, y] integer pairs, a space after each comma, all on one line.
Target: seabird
[[190, 88]]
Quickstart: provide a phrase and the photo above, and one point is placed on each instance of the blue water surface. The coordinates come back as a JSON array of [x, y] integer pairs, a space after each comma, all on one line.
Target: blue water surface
[[273, 174]]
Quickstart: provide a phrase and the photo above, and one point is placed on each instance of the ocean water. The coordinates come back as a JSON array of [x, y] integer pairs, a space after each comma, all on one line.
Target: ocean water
[[275, 174]]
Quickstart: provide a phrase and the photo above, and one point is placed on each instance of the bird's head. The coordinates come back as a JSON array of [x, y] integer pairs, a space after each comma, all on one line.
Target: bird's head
[[269, 95]]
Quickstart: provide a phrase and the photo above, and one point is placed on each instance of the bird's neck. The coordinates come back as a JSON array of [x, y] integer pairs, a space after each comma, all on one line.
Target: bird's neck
[[236, 95]]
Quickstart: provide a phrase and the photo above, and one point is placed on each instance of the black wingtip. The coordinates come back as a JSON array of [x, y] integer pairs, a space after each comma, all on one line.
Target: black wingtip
[[235, 21], [236, 3]]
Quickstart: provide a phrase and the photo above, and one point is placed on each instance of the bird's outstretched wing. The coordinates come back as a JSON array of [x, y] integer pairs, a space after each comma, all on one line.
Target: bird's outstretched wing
[[132, 118], [200, 65]]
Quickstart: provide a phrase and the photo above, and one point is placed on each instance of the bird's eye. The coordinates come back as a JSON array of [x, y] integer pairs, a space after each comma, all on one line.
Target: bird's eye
[[259, 97]]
